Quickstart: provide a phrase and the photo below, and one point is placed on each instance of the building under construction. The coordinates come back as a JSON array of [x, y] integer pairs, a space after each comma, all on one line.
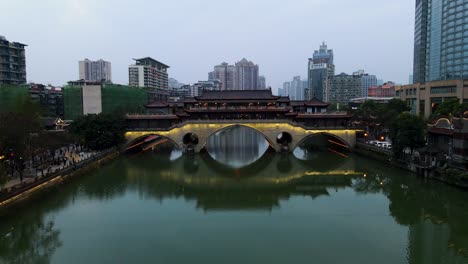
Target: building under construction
[[81, 98]]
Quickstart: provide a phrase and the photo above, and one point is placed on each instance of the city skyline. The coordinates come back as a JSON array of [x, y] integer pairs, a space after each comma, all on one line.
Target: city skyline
[[271, 43]]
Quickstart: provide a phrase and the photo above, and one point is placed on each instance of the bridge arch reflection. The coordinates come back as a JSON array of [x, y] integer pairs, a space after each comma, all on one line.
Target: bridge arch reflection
[[149, 141], [332, 140], [227, 128]]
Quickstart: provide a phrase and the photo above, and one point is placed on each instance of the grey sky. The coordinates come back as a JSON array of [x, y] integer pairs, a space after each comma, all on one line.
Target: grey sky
[[194, 35]]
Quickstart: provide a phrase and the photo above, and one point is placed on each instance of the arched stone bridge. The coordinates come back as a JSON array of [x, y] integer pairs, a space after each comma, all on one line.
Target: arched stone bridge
[[270, 130]]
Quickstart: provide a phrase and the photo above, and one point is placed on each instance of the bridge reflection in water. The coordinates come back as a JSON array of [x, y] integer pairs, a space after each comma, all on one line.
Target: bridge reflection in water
[[351, 202], [215, 178]]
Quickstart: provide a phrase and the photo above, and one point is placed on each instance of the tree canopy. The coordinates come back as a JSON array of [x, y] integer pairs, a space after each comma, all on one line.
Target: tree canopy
[[99, 131], [451, 107], [407, 131], [377, 117]]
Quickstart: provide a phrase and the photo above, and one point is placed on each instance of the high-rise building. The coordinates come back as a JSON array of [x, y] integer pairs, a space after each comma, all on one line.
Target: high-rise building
[[367, 81], [95, 71], [343, 87], [152, 74], [440, 40], [12, 62], [281, 92], [320, 68], [286, 88], [224, 73], [295, 89], [241, 76], [148, 72], [297, 92], [246, 75], [261, 83]]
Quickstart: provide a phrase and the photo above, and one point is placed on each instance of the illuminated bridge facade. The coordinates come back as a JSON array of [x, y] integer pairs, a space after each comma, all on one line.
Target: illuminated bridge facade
[[283, 123], [182, 134]]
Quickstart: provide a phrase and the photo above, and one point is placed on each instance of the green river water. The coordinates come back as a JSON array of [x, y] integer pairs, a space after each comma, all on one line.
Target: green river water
[[228, 206]]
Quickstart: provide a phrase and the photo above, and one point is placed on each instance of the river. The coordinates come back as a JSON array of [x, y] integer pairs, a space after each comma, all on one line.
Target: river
[[240, 203]]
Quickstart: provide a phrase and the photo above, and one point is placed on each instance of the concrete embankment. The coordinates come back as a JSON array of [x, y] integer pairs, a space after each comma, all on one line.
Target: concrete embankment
[[449, 176], [22, 192]]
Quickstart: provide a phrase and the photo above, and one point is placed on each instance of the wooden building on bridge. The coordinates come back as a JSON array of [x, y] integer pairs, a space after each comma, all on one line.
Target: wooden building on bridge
[[239, 105]]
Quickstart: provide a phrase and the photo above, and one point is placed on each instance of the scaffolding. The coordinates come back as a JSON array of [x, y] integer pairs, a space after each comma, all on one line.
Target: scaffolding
[[123, 99], [73, 102], [11, 97]]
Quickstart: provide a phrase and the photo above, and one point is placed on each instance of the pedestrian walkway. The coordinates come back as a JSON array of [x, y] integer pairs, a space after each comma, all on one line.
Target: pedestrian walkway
[[67, 157]]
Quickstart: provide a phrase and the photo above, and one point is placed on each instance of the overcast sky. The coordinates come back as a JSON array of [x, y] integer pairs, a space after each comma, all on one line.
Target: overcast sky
[[192, 36]]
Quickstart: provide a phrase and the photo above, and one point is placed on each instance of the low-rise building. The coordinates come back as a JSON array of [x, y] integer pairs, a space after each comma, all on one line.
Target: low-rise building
[[385, 90], [49, 98], [424, 98]]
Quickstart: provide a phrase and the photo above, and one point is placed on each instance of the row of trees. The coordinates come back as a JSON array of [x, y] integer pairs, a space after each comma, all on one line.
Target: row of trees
[[22, 135], [99, 132], [404, 129]]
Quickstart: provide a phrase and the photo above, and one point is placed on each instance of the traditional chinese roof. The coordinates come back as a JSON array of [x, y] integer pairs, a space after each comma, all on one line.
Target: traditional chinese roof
[[152, 117], [239, 95], [324, 115], [441, 131], [312, 102], [190, 100], [157, 105], [246, 110], [316, 102]]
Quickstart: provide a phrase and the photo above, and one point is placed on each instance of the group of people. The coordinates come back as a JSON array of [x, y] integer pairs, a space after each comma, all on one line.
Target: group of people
[[51, 161]]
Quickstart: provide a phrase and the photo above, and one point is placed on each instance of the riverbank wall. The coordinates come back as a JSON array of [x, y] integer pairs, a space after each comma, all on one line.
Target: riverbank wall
[[22, 192], [449, 176]]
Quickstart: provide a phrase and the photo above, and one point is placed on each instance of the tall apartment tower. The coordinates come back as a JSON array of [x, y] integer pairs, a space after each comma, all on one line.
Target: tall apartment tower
[[320, 68], [440, 40], [12, 62], [246, 75], [97, 71], [261, 83], [148, 72], [225, 73], [296, 91]]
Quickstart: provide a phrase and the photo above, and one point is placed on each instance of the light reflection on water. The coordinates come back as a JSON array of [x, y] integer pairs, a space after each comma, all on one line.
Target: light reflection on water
[[237, 146], [329, 209]]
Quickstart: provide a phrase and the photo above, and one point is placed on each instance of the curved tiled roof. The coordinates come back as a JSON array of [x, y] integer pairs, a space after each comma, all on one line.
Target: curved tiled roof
[[238, 95]]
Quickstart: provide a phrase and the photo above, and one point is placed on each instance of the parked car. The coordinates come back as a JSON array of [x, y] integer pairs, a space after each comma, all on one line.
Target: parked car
[[384, 144]]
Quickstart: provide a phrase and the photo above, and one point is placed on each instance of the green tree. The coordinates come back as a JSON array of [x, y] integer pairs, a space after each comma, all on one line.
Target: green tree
[[17, 130], [451, 107], [407, 131], [377, 117], [100, 131]]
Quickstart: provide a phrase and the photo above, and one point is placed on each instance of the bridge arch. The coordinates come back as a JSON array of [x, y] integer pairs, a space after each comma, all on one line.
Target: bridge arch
[[141, 139], [268, 139], [268, 129], [341, 142]]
